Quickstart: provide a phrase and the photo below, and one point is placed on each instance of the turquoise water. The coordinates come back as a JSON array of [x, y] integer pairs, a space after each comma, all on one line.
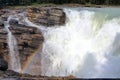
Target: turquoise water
[[111, 12]]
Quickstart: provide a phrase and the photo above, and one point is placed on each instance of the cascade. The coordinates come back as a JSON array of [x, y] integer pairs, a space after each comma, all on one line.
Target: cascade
[[87, 46], [15, 64]]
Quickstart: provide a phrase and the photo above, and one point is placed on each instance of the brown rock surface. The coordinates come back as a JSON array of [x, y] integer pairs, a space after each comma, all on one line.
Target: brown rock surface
[[46, 16], [29, 39], [3, 41]]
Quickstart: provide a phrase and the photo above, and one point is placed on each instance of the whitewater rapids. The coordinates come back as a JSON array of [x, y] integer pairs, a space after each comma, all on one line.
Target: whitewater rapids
[[87, 46]]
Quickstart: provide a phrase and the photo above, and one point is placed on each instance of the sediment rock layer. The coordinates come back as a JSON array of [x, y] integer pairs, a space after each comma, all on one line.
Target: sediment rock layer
[[46, 16], [29, 39]]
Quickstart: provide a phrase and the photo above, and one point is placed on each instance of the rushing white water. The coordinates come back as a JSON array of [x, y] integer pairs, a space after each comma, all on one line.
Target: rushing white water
[[87, 46], [15, 64]]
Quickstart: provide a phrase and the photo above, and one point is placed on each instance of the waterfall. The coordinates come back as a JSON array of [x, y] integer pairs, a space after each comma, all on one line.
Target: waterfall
[[15, 64], [87, 46]]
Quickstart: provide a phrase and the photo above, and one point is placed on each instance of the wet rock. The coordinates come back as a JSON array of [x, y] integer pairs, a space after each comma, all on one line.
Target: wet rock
[[29, 39], [46, 16], [5, 13], [3, 41], [11, 73], [1, 23], [12, 22], [3, 65], [2, 29]]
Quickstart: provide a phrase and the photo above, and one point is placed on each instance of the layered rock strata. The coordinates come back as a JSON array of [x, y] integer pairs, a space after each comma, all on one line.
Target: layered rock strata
[[29, 39]]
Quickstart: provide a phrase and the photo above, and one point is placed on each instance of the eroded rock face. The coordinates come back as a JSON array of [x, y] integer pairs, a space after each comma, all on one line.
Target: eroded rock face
[[46, 16], [29, 39], [3, 41], [5, 13]]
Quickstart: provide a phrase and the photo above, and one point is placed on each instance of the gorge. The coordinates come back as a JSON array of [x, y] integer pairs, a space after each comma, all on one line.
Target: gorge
[[83, 42]]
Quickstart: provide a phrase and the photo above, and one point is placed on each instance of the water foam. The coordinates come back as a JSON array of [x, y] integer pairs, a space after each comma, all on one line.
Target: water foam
[[87, 46], [82, 49]]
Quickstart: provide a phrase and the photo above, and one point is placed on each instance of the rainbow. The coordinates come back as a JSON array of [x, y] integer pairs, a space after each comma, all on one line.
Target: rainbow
[[29, 59]]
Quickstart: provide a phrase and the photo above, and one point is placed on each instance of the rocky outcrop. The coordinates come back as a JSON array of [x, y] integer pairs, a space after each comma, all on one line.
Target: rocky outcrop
[[5, 13], [29, 39], [3, 47], [46, 16]]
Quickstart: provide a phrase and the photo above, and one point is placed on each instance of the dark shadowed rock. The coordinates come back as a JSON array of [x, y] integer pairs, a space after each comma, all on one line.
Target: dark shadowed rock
[[3, 65], [13, 21], [2, 29], [47, 16], [1, 23], [11, 73]]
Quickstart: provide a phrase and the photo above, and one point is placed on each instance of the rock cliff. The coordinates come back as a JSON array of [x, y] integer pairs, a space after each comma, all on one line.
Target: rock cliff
[[29, 39]]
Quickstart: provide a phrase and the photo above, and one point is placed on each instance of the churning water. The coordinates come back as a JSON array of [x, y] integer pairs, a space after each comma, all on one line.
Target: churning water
[[87, 46]]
